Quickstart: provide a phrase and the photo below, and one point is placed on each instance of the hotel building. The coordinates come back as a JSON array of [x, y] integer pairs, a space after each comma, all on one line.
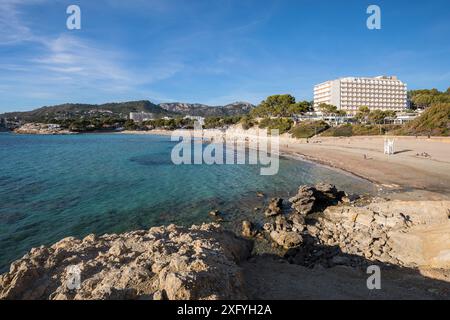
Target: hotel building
[[348, 94]]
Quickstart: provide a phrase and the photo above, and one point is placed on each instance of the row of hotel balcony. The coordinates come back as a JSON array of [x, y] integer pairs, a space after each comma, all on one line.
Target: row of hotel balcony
[[374, 100], [373, 94], [377, 106], [373, 87], [378, 90], [371, 81]]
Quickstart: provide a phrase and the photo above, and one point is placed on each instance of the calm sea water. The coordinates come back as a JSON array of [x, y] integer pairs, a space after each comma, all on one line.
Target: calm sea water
[[52, 187]]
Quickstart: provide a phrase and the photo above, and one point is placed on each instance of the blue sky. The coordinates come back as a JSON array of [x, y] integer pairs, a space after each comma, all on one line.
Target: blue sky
[[212, 51]]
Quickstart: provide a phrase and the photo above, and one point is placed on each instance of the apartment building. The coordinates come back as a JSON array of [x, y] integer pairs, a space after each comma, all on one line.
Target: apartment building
[[348, 94], [141, 116]]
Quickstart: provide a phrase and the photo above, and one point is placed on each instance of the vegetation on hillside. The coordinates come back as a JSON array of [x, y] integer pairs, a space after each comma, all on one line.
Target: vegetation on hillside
[[308, 129], [122, 110], [426, 98], [90, 124], [70, 111], [348, 130], [435, 121], [220, 122], [247, 122]]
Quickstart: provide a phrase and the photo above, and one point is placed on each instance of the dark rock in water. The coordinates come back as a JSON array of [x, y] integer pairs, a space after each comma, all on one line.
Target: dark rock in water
[[214, 213], [260, 194], [248, 229], [274, 207], [217, 215]]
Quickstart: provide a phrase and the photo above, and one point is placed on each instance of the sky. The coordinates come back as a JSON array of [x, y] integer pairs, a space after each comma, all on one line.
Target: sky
[[212, 51]]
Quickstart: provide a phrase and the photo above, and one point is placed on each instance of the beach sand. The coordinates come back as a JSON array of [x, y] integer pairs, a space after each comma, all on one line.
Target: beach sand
[[407, 171]]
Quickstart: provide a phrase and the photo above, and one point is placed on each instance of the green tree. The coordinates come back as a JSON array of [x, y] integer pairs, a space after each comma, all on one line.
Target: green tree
[[364, 110], [130, 125], [327, 108], [280, 105], [377, 116]]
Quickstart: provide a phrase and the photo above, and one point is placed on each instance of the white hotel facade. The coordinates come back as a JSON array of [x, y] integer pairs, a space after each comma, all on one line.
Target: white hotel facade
[[349, 94]]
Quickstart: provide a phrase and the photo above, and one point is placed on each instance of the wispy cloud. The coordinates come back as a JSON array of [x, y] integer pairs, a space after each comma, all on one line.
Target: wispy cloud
[[66, 65], [12, 29]]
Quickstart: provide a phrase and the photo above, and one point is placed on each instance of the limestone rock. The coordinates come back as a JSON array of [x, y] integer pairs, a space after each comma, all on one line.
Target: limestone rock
[[286, 239], [313, 198], [161, 263]]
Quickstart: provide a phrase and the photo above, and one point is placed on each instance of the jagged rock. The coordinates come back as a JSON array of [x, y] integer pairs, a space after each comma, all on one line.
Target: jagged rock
[[298, 222], [161, 263], [274, 207], [309, 199], [286, 239], [304, 201], [282, 224], [326, 190]]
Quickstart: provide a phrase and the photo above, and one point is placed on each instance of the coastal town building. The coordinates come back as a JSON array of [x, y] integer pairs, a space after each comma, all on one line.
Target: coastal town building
[[200, 120], [351, 93], [141, 116]]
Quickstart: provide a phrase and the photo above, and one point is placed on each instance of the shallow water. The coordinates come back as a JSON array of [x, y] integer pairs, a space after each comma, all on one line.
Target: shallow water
[[52, 187]]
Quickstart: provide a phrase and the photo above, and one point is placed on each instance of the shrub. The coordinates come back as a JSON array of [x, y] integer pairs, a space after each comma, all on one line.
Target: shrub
[[345, 130], [434, 121], [308, 129]]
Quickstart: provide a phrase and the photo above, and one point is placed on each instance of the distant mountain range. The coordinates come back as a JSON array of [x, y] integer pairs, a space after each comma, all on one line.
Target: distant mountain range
[[70, 110], [195, 109]]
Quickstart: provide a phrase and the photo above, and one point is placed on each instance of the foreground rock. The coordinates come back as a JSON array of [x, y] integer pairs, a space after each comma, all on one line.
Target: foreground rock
[[163, 263], [325, 227]]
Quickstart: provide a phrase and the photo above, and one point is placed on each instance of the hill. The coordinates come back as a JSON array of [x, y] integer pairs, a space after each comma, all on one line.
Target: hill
[[73, 110], [122, 109]]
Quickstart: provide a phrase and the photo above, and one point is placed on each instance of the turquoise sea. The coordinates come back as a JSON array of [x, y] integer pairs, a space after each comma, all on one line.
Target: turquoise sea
[[52, 187]]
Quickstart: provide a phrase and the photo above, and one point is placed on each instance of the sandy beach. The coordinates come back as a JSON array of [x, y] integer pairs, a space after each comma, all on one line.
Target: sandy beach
[[419, 169], [421, 165]]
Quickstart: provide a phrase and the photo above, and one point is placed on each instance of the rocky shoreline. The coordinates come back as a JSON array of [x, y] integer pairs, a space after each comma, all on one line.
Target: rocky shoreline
[[318, 231], [42, 129]]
